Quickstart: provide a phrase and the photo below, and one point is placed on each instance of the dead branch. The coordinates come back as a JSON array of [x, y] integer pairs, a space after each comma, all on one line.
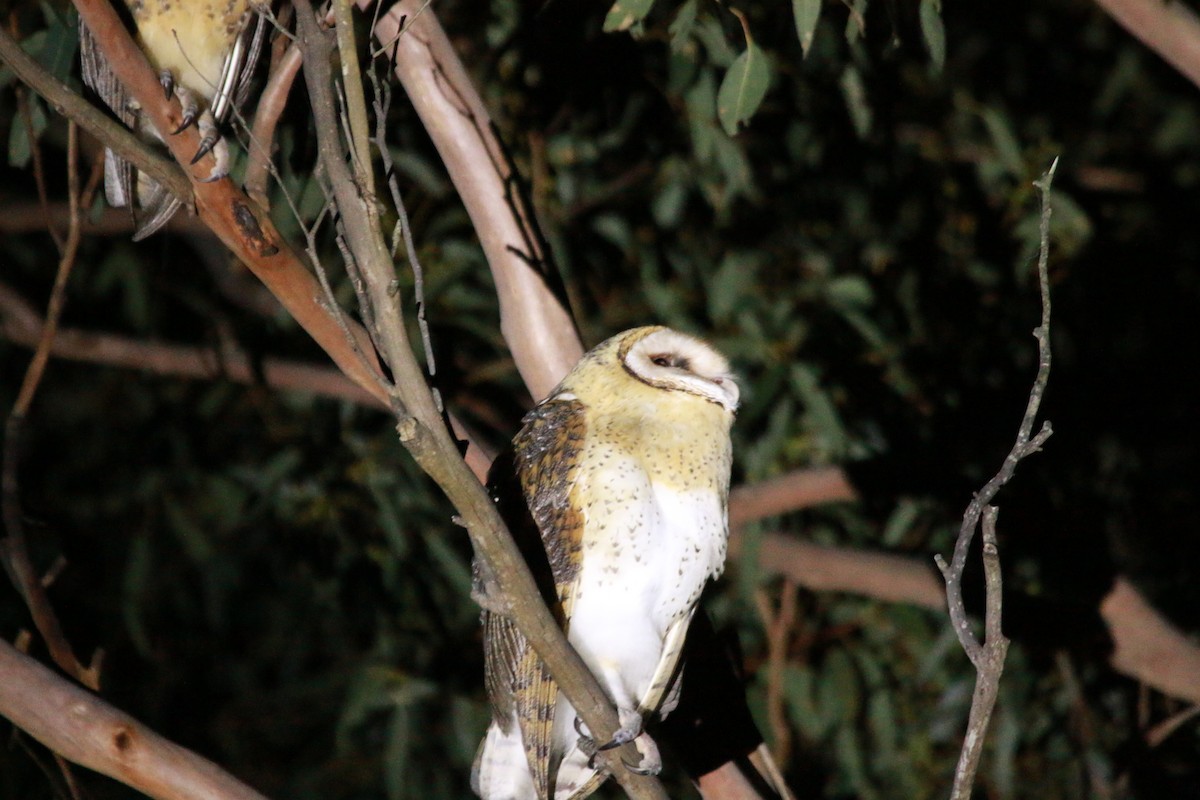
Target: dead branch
[[988, 656]]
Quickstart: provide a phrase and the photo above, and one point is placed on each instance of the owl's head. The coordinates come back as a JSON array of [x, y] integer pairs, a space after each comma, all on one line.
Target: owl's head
[[659, 358]]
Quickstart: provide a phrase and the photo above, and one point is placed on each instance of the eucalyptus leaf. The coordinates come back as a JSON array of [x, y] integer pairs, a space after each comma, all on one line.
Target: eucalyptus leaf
[[934, 32], [806, 13], [624, 14], [743, 89]]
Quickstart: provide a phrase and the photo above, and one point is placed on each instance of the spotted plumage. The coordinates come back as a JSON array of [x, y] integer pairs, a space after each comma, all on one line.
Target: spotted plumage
[[621, 479], [204, 52]]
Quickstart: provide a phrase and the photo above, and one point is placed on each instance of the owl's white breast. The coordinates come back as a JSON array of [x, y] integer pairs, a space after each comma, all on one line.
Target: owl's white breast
[[648, 549]]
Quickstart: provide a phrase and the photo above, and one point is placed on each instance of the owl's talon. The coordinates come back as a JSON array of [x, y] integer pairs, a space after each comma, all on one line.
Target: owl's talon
[[206, 146], [638, 769], [189, 116], [191, 109], [167, 80]]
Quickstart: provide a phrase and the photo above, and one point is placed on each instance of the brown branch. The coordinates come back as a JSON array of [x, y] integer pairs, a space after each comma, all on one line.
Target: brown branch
[[801, 488], [88, 731], [285, 65], [30, 217], [244, 229], [20, 324], [779, 631], [1170, 29], [539, 331], [14, 551]]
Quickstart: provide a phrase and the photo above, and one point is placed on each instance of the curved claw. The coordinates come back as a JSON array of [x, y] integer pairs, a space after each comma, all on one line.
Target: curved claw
[[206, 146], [578, 723], [610, 745], [167, 80], [638, 769], [189, 116]]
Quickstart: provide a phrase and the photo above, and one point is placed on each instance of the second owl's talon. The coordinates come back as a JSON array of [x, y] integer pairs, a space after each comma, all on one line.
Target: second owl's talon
[[191, 109], [206, 146], [167, 80]]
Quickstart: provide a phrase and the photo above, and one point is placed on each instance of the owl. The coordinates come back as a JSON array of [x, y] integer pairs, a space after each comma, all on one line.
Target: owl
[[205, 52], [621, 477]]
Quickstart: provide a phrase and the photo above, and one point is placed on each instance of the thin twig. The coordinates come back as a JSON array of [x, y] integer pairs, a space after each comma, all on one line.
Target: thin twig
[[779, 633], [285, 65], [14, 550], [988, 656], [39, 171], [403, 231]]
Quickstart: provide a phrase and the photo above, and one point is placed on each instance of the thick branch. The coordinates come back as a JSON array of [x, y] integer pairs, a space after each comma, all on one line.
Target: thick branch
[[232, 216], [539, 331], [86, 730], [1170, 29]]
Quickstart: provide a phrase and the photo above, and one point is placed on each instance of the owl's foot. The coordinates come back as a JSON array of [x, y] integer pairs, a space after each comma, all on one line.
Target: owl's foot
[[631, 728], [191, 109], [630, 731]]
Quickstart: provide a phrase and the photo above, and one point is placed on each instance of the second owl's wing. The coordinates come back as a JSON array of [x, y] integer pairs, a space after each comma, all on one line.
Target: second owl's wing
[[118, 174]]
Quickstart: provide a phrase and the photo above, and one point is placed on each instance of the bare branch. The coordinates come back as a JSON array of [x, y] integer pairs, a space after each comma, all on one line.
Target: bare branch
[[988, 656], [14, 551], [1170, 29], [86, 730], [539, 331], [791, 491]]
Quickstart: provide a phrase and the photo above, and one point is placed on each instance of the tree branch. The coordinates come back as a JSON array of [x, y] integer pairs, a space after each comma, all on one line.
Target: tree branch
[[420, 426], [88, 731], [537, 328], [1170, 29], [988, 656]]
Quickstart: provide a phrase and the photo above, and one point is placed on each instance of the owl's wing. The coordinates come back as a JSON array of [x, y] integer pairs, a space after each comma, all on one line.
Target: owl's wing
[[118, 174], [533, 494]]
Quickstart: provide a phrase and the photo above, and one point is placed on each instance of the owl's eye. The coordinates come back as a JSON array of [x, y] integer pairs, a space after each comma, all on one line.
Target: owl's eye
[[670, 360]]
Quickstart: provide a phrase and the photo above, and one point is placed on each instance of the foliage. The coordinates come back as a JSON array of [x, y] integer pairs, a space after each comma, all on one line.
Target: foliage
[[839, 196]]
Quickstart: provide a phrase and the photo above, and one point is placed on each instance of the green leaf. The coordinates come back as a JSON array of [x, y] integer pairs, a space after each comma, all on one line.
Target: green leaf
[[1008, 150], [934, 32], [624, 14], [856, 101], [900, 522], [743, 89], [681, 27], [806, 13]]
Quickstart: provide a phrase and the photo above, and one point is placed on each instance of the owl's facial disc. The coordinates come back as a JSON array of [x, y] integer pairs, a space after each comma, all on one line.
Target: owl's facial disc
[[674, 361]]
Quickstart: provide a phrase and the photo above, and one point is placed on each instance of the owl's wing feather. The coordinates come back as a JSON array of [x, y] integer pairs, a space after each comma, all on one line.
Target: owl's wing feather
[[533, 495]]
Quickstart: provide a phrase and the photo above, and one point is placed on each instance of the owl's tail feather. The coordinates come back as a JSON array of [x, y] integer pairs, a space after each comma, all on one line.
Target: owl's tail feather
[[500, 771]]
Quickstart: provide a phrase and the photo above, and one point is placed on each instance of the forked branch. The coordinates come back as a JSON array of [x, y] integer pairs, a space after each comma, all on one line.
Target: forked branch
[[988, 656]]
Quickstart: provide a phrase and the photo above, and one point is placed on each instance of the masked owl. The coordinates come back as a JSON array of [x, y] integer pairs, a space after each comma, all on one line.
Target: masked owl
[[205, 52], [621, 476]]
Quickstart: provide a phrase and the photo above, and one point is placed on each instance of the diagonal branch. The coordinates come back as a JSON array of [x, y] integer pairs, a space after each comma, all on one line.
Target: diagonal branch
[[420, 425], [86, 730]]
